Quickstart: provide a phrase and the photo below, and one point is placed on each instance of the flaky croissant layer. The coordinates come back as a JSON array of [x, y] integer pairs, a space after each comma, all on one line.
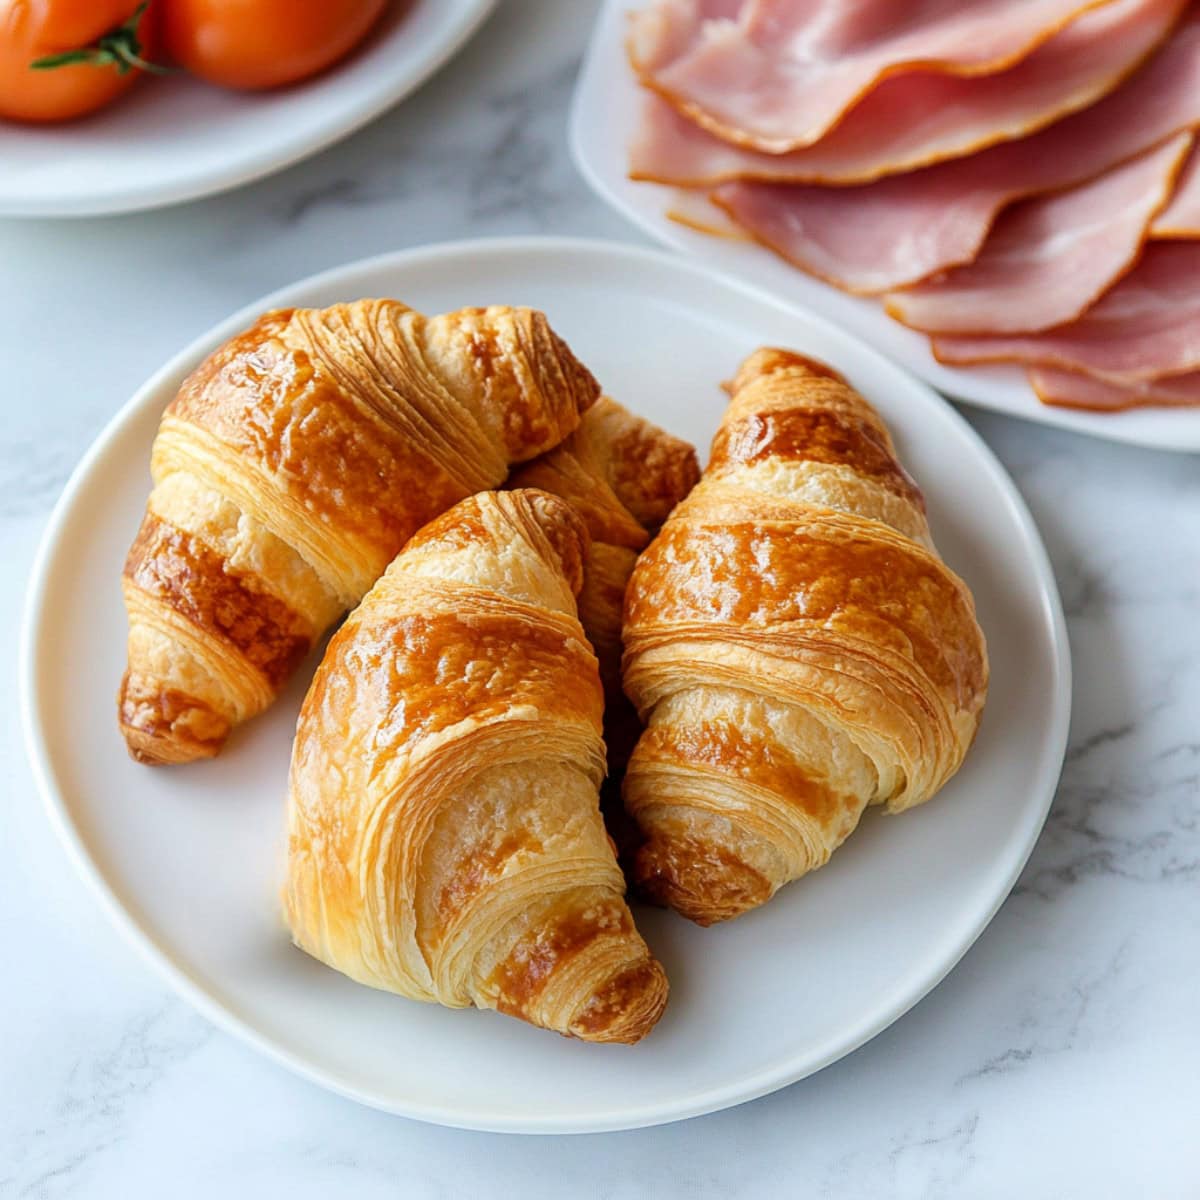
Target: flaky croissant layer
[[290, 469], [796, 646], [623, 475], [444, 833]]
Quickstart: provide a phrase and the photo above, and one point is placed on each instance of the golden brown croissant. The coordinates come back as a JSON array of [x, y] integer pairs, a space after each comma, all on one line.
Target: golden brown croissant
[[444, 837], [624, 475], [797, 647], [290, 469]]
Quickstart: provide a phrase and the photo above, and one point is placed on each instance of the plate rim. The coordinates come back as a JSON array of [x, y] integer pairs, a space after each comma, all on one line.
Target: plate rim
[[1105, 426], [445, 45], [225, 1017]]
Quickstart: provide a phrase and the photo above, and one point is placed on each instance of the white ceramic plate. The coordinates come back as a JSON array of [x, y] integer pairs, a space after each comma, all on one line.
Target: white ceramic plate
[[176, 139], [602, 119], [188, 860]]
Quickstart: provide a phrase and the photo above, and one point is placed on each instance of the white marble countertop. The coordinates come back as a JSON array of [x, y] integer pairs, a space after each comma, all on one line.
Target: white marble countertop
[[1059, 1059]]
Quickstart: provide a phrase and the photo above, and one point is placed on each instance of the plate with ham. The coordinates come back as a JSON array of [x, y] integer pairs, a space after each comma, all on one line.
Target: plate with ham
[[1002, 196]]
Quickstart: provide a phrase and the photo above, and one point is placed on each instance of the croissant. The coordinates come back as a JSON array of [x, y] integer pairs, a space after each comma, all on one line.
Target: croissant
[[624, 475], [795, 645], [290, 469], [444, 835]]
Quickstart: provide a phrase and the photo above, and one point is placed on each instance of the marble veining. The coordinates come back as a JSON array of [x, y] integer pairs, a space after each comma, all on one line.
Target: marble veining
[[1058, 1059], [100, 1095]]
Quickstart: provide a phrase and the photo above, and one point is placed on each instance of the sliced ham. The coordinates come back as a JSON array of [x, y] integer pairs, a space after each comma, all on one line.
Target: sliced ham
[[920, 117], [1181, 218], [870, 239], [696, 211], [1048, 260], [1068, 389], [779, 74], [1146, 327], [904, 228]]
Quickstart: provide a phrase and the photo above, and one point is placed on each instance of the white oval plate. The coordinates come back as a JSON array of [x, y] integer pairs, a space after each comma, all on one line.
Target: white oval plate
[[188, 859], [175, 139], [602, 119]]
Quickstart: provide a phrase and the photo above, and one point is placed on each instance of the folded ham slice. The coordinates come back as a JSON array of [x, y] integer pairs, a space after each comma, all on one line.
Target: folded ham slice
[[696, 211], [1068, 389], [1146, 327], [921, 117], [904, 228], [779, 74], [1181, 218], [1048, 260]]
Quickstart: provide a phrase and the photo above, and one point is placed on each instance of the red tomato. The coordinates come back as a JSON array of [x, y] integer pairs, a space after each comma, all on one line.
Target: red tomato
[[264, 43], [98, 41]]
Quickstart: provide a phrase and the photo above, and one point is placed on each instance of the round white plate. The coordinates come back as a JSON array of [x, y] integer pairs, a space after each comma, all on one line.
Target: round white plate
[[602, 120], [176, 138], [188, 859]]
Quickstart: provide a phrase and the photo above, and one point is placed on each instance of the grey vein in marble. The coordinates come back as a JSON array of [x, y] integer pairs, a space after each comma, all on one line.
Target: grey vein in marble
[[99, 1099]]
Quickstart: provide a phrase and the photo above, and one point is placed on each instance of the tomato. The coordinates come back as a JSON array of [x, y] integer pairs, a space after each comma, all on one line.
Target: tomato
[[264, 43], [100, 41]]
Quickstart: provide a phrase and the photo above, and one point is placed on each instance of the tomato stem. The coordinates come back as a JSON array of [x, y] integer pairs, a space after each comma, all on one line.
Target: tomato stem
[[120, 48]]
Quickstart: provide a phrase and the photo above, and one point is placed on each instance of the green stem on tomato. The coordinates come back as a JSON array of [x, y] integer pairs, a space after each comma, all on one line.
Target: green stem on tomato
[[121, 48]]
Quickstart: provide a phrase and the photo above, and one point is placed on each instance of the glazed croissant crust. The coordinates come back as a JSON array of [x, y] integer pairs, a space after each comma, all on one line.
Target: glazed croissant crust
[[289, 470], [444, 836], [624, 475], [795, 645]]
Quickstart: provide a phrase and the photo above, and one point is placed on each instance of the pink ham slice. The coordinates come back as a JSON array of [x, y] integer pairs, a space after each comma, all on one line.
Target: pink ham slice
[[921, 117], [1048, 260], [1067, 389], [696, 211], [1181, 218], [779, 74], [1146, 327], [902, 229]]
